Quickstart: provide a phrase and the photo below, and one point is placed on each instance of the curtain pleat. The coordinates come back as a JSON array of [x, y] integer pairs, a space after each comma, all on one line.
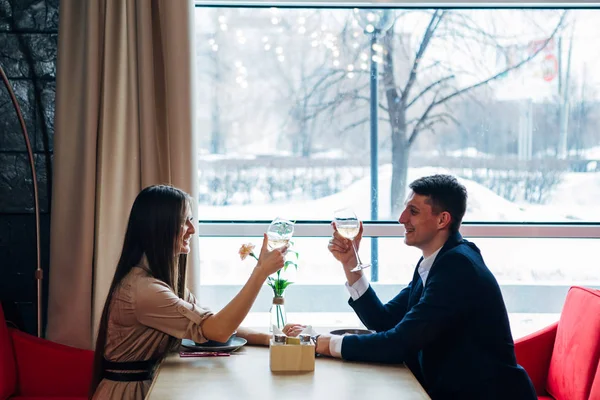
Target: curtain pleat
[[124, 120]]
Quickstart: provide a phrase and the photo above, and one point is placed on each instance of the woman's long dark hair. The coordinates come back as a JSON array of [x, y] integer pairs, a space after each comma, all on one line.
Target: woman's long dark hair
[[155, 222]]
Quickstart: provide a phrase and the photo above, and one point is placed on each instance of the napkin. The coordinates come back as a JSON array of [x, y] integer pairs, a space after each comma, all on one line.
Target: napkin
[[277, 331], [308, 331]]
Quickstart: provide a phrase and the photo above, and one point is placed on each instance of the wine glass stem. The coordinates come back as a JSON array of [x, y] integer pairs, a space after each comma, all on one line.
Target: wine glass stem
[[356, 253]]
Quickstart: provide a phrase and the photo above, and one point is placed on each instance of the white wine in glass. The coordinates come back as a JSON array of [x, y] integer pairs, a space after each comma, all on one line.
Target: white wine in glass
[[348, 226], [276, 243], [279, 233], [348, 232]]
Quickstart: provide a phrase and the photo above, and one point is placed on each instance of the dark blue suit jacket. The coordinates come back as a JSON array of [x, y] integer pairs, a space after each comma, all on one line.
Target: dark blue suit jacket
[[453, 333]]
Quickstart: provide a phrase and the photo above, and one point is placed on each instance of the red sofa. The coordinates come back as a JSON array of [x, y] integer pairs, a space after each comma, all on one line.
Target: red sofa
[[562, 360], [35, 369]]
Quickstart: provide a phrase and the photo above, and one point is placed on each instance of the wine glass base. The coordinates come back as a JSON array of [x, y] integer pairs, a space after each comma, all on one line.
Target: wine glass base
[[360, 267]]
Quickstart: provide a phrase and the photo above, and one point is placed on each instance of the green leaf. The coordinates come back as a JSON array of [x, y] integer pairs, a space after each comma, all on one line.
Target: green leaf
[[279, 286], [288, 263], [285, 285]]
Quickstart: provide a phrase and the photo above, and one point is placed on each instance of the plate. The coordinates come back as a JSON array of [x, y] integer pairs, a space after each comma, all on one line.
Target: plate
[[232, 345], [351, 331]]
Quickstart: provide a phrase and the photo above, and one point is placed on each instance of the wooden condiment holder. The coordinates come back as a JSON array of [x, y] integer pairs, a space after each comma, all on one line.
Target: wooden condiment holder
[[292, 357]]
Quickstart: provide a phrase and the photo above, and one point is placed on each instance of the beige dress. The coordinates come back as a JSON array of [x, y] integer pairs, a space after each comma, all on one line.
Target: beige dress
[[144, 312]]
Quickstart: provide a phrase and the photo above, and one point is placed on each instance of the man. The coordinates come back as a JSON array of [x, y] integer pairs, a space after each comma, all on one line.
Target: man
[[449, 325]]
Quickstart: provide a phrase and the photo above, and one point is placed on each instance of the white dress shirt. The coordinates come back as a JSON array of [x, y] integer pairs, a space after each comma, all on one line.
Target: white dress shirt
[[359, 288]]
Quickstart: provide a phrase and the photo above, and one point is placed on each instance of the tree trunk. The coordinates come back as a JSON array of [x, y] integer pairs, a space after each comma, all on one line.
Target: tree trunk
[[216, 137], [400, 150], [396, 105], [305, 145], [306, 141]]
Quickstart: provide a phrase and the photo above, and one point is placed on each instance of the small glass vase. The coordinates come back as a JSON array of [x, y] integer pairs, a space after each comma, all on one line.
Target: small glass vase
[[278, 316]]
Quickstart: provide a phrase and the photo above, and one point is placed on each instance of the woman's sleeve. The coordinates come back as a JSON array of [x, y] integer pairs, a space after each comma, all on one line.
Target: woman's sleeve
[[190, 298], [158, 307]]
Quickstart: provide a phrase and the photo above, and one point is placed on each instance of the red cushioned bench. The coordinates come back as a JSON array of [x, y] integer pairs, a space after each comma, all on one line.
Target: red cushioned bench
[[563, 359], [35, 369]]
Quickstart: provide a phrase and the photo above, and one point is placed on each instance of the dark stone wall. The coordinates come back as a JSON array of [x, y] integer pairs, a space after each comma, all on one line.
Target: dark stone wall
[[28, 48]]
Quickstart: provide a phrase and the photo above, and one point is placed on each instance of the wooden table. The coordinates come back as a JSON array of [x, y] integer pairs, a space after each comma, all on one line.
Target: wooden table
[[246, 375]]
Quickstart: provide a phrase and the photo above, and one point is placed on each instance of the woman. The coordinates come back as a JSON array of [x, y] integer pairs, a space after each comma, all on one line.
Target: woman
[[148, 309]]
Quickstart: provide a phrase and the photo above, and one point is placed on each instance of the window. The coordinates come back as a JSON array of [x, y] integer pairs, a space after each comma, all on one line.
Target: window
[[293, 124]]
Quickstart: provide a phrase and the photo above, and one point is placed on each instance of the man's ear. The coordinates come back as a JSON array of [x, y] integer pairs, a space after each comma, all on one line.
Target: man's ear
[[444, 219]]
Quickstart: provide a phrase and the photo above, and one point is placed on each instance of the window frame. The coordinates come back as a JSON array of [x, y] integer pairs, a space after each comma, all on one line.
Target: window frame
[[473, 4], [386, 229], [543, 298]]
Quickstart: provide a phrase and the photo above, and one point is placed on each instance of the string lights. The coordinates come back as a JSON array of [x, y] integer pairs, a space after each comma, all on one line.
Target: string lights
[[321, 37]]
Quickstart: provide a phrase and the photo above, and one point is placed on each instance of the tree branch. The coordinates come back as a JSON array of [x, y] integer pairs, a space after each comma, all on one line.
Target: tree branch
[[324, 78], [436, 18], [439, 81], [417, 127], [508, 69], [440, 117], [368, 99], [338, 99], [355, 124], [360, 122]]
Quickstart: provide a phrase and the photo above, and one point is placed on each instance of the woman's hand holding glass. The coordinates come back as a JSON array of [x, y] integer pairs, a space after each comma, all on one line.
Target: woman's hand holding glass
[[280, 232], [271, 261]]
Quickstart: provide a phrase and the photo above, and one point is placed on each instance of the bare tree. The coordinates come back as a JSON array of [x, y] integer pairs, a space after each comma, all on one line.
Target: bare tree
[[302, 75], [418, 87], [401, 97], [230, 109], [327, 99]]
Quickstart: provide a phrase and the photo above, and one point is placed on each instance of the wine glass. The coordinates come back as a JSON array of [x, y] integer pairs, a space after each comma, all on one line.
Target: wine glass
[[279, 233], [348, 225]]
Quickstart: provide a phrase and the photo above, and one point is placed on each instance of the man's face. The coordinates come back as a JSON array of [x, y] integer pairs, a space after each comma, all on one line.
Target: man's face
[[420, 222]]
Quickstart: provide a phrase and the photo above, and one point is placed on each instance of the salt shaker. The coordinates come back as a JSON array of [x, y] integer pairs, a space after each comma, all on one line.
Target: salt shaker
[[304, 339], [279, 339]]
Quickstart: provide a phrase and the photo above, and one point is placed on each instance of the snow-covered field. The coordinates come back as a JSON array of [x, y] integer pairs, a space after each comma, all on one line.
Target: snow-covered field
[[575, 199]]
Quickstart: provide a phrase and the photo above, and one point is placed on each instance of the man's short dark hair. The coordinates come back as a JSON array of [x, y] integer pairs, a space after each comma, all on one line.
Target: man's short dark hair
[[445, 194]]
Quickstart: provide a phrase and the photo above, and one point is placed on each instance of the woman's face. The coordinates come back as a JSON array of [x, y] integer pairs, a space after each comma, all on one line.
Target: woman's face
[[185, 235]]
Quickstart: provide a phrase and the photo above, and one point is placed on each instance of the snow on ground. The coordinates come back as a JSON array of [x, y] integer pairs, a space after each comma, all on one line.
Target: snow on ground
[[593, 153], [578, 195], [532, 260], [573, 199]]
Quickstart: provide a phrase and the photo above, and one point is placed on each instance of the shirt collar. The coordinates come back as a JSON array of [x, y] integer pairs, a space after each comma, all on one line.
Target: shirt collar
[[426, 264]]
